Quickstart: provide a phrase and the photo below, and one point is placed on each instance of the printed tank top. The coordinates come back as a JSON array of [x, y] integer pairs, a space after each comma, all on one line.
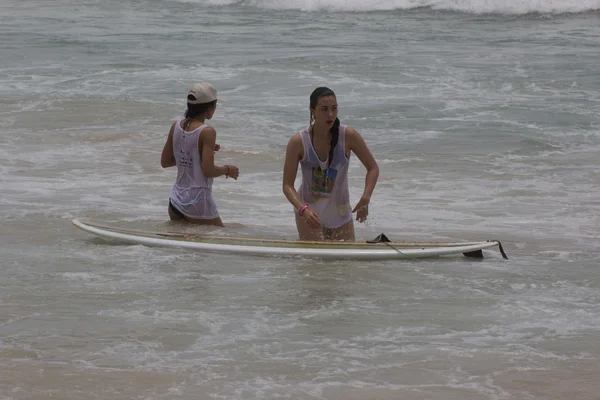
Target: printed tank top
[[325, 188]]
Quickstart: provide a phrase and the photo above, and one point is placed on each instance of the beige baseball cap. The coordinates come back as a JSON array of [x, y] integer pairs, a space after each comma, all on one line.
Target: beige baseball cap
[[203, 92]]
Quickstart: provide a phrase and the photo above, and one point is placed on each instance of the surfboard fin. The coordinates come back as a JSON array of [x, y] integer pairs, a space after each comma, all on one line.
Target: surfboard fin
[[474, 254], [380, 239]]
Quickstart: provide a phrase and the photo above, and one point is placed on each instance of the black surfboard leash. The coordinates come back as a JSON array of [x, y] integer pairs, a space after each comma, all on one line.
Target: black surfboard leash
[[382, 238]]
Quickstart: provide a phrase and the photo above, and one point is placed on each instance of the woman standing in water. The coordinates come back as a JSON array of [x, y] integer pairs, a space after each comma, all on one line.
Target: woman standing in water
[[191, 146], [322, 203]]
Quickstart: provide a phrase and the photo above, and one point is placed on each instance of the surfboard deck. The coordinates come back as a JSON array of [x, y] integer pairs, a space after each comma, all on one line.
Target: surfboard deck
[[287, 248]]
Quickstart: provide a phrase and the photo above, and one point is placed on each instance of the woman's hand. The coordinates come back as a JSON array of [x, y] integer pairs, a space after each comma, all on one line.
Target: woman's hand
[[362, 209], [232, 171], [217, 147], [311, 218]]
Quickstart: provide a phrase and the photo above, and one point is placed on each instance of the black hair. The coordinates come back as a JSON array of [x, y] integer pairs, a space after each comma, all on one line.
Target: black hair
[[194, 110], [335, 129]]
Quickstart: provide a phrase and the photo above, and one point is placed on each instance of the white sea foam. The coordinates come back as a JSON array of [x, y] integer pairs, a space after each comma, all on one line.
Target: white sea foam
[[469, 6]]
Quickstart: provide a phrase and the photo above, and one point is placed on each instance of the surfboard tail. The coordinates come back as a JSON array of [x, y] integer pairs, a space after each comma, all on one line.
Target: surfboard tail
[[382, 238], [479, 253]]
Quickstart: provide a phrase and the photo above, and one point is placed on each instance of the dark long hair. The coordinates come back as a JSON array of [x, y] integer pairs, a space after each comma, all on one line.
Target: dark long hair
[[335, 129], [194, 110]]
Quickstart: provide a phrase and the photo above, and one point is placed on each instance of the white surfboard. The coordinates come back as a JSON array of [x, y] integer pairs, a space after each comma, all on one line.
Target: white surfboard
[[288, 248]]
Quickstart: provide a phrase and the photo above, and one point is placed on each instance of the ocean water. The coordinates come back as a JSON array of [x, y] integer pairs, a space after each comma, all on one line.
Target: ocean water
[[484, 116]]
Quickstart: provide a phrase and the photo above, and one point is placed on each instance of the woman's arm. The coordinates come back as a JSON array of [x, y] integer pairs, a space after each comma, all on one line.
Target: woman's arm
[[167, 158], [359, 147], [206, 141], [293, 155]]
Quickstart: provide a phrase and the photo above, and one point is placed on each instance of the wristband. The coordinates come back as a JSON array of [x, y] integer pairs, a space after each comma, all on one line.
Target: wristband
[[227, 173], [301, 210]]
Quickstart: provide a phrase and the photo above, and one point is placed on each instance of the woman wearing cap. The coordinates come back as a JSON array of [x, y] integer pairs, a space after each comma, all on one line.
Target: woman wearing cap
[[191, 146], [322, 203]]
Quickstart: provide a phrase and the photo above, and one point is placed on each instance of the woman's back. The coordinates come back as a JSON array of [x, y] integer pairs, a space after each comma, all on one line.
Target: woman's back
[[187, 156]]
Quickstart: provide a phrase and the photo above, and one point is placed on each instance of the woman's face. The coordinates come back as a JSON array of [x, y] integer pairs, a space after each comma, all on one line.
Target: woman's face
[[326, 111]]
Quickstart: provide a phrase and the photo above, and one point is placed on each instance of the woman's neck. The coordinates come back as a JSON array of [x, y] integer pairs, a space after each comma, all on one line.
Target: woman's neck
[[200, 118], [320, 132]]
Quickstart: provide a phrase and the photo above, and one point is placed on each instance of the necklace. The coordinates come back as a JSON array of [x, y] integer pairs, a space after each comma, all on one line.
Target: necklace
[[188, 121]]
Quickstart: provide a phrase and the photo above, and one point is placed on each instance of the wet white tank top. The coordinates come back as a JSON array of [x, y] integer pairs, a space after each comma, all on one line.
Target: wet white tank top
[[325, 188], [192, 192]]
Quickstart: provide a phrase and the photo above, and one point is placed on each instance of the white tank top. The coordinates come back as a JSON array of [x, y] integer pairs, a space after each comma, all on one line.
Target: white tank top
[[325, 188], [192, 192]]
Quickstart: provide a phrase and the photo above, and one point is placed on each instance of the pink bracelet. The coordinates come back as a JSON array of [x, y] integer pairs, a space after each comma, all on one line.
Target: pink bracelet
[[301, 211]]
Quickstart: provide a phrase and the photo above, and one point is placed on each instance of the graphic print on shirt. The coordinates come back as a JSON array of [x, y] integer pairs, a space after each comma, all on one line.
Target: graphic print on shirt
[[185, 159], [323, 182]]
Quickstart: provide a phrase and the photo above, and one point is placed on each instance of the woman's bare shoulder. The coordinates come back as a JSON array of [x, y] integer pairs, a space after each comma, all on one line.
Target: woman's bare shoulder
[[351, 131]]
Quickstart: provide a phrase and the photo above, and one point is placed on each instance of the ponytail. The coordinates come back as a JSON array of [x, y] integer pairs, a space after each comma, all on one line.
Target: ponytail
[[194, 110], [335, 134]]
